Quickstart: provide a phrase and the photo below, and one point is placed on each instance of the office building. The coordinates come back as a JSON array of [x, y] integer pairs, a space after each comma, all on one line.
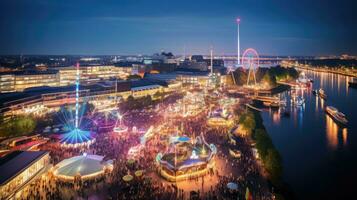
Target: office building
[[20, 168]]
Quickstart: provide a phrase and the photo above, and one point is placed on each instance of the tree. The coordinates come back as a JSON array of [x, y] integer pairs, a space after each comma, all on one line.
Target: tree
[[263, 142], [269, 79], [273, 164], [130, 98], [146, 101], [44, 121], [240, 76], [16, 126], [247, 121]]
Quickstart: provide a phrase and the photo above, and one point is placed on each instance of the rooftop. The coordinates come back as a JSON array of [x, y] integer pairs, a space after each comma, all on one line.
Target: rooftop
[[17, 161], [29, 72], [35, 93]]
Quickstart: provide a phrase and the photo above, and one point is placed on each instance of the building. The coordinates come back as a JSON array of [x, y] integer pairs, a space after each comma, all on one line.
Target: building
[[20, 80], [194, 78], [92, 73], [218, 65], [195, 63], [142, 91], [7, 82], [20, 168], [41, 100]]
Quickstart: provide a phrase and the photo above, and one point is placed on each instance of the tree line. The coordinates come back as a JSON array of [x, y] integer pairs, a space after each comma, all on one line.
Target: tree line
[[268, 76], [252, 122]]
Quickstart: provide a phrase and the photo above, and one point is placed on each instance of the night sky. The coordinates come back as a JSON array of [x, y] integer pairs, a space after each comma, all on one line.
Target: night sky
[[273, 27]]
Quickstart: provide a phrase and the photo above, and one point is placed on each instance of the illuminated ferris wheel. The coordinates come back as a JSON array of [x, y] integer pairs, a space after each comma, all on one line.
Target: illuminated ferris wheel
[[250, 60]]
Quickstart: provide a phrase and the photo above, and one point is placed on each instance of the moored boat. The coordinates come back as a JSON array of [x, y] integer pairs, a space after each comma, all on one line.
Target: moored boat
[[336, 115], [322, 94]]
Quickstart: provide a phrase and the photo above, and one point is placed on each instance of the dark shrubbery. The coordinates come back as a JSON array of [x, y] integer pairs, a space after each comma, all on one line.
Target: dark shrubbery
[[270, 157], [267, 76]]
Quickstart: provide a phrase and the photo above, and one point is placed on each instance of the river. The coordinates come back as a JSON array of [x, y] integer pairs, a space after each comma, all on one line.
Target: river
[[319, 157]]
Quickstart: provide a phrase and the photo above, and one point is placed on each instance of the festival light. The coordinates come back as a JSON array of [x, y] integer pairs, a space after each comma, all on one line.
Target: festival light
[[77, 137], [119, 126]]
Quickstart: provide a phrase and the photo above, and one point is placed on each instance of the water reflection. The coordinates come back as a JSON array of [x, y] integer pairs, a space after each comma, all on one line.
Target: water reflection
[[330, 144], [276, 117], [344, 136], [331, 133], [346, 83], [322, 103]]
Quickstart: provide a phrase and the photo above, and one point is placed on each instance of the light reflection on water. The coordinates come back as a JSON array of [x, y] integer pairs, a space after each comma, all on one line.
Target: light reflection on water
[[316, 103], [331, 133], [310, 129], [322, 103], [276, 117], [344, 136]]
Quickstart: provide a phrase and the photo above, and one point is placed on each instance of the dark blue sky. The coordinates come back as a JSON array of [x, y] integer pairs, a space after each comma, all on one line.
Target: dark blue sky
[[273, 27]]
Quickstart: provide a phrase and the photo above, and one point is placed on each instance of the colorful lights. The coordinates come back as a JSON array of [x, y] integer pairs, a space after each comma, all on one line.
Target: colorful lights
[[77, 94], [76, 137], [119, 126], [186, 158], [250, 60]]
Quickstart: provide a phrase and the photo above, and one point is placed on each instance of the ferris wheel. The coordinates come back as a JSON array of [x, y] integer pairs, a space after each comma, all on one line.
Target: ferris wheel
[[250, 60]]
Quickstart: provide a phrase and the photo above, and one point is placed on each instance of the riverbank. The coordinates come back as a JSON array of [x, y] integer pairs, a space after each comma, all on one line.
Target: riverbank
[[268, 155], [318, 155], [328, 70]]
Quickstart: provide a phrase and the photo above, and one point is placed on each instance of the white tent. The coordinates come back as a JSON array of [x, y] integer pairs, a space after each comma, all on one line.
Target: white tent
[[87, 166]]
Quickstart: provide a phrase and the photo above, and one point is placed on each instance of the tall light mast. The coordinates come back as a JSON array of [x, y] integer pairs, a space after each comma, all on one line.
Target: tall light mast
[[238, 47], [77, 94], [211, 60]]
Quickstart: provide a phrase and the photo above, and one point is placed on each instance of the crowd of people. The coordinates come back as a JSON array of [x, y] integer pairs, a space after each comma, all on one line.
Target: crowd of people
[[244, 171]]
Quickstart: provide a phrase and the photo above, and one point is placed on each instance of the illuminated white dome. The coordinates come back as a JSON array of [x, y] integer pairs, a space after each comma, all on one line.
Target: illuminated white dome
[[85, 166]]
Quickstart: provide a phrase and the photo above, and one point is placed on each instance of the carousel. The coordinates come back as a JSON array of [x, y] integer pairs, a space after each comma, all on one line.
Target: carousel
[[85, 167], [77, 138], [186, 159], [119, 127]]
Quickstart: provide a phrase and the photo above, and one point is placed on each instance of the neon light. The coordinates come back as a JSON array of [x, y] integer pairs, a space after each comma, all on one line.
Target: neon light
[[250, 60], [238, 20], [77, 94], [77, 137]]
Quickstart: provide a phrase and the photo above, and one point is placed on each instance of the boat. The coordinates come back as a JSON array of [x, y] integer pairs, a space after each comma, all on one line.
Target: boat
[[336, 115], [303, 81], [297, 100], [322, 93], [353, 83]]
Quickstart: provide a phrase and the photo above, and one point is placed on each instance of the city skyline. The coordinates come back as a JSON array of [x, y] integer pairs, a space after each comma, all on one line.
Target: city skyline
[[275, 28]]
